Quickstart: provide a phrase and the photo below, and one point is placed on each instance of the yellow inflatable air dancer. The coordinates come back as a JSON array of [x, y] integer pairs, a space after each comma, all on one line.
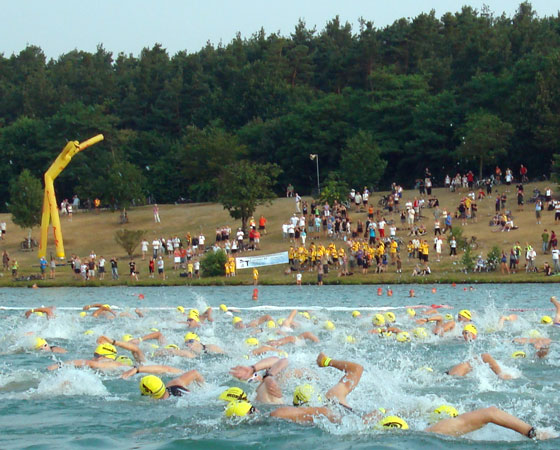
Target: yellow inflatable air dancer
[[50, 209]]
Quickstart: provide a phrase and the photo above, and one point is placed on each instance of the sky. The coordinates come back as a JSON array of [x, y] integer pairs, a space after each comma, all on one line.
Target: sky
[[59, 26]]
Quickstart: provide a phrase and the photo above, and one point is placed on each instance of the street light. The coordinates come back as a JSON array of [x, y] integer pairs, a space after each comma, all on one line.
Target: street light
[[315, 156]]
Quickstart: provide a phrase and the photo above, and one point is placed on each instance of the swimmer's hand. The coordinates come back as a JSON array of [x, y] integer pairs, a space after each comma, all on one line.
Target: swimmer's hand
[[321, 359], [86, 308], [542, 435], [242, 372], [103, 340], [272, 387]]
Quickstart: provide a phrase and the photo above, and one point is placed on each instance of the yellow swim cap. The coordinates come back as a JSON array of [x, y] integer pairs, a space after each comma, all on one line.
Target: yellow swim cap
[[534, 334], [83, 313], [194, 317], [420, 333], [280, 322], [426, 368], [385, 333], [155, 330], [194, 311], [154, 345], [233, 393], [181, 309], [38, 313], [547, 320], [350, 339], [191, 335], [236, 320], [252, 341], [152, 386], [127, 337], [390, 316], [519, 354], [411, 312], [449, 316], [271, 324], [107, 350], [239, 408], [223, 307], [465, 313], [378, 320], [306, 315], [176, 347], [305, 393], [329, 325], [403, 336], [446, 410], [88, 332], [124, 359], [356, 313], [393, 422], [39, 343], [471, 329]]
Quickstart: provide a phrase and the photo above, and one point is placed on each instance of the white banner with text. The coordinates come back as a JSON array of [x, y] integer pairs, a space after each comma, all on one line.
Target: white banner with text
[[249, 262]]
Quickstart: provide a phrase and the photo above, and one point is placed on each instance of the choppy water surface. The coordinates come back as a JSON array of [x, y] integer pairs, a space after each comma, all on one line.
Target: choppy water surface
[[73, 408]]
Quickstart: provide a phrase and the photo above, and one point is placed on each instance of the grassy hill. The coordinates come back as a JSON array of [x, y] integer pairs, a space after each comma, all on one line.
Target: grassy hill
[[90, 231]]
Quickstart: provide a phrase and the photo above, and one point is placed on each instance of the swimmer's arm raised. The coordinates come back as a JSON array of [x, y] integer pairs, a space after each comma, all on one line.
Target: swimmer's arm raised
[[134, 349], [246, 372]]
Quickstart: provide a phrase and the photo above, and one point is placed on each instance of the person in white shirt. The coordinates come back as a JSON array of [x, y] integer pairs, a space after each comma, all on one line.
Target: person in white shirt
[[410, 218], [201, 242], [393, 231], [155, 247], [101, 268], [381, 227], [160, 267], [144, 248], [439, 244], [556, 259], [284, 231]]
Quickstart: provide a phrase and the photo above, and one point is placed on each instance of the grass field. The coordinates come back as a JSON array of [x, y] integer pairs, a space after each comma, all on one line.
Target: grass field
[[90, 231]]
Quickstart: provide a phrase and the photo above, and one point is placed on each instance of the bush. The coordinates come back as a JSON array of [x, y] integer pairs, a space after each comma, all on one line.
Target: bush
[[468, 259], [494, 257], [213, 264], [129, 239]]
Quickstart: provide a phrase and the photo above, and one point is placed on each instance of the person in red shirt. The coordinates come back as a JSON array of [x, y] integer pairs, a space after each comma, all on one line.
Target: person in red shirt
[[151, 266], [262, 224]]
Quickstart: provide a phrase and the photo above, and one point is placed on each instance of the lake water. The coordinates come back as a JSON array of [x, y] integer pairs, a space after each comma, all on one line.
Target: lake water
[[81, 408]]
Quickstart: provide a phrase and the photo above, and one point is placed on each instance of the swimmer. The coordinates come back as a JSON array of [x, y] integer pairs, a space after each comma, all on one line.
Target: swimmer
[[542, 345], [337, 394], [268, 390], [103, 310], [104, 358], [42, 345], [131, 347], [556, 304], [192, 341], [47, 310], [307, 336], [462, 369], [154, 387], [442, 327], [503, 319]]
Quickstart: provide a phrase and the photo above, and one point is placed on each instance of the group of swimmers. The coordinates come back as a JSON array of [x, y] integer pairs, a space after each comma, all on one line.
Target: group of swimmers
[[270, 373]]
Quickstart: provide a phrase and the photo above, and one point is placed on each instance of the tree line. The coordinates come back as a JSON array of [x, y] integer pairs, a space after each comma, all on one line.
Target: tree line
[[464, 91]]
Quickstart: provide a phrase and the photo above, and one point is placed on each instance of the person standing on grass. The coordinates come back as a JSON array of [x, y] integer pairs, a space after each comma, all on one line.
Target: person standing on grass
[[156, 214], [101, 268], [3, 230], [144, 247], [160, 267], [151, 267], [53, 268], [556, 259], [538, 209], [5, 260], [114, 268], [132, 266], [545, 238], [43, 267], [503, 263]]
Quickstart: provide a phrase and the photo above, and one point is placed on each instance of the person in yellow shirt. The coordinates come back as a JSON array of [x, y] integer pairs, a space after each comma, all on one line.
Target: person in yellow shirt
[[228, 273], [393, 251], [255, 276]]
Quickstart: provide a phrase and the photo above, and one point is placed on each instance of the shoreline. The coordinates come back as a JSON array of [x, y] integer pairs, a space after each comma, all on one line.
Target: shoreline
[[339, 281]]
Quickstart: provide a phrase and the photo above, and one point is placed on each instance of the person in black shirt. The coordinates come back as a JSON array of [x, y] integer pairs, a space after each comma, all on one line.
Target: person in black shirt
[[114, 268]]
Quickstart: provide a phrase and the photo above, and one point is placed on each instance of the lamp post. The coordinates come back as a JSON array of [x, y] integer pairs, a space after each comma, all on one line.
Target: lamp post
[[315, 156]]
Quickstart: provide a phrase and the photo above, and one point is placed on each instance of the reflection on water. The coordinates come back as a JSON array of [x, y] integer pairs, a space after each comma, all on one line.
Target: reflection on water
[[79, 407]]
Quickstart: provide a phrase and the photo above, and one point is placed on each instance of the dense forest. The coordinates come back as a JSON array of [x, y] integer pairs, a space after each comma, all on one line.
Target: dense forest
[[399, 98]]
